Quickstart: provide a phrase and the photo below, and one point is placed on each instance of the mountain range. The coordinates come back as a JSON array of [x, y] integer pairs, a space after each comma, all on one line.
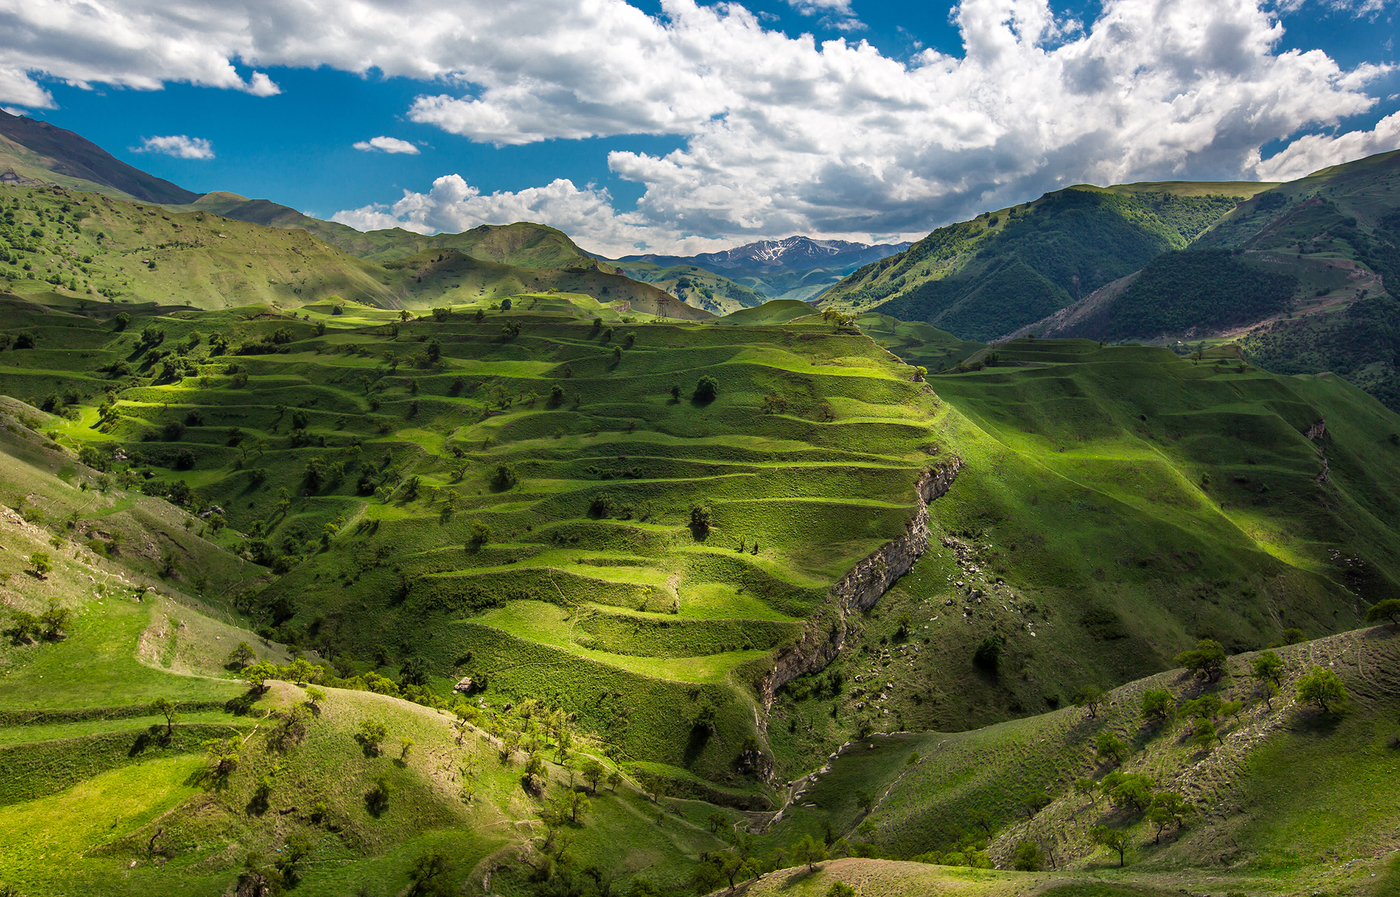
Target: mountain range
[[466, 563]]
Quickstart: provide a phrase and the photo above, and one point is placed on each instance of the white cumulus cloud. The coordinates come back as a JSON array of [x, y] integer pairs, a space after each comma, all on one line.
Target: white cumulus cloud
[[386, 145], [779, 134], [586, 214], [179, 146], [1316, 151]]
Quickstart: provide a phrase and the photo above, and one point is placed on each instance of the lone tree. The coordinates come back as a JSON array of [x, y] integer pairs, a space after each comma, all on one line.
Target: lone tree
[[1113, 839], [240, 657], [258, 674], [166, 708], [700, 521], [1267, 670], [987, 657], [706, 389], [56, 619], [1110, 745], [1323, 688], [1029, 857], [1089, 697], [1204, 733], [431, 875], [1158, 704], [370, 736], [1168, 808], [1268, 665], [593, 771], [1128, 790], [534, 768], [42, 564], [1206, 659], [808, 851], [1389, 609]]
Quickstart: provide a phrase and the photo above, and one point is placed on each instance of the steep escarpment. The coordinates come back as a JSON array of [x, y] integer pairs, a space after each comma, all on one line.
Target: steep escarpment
[[825, 633]]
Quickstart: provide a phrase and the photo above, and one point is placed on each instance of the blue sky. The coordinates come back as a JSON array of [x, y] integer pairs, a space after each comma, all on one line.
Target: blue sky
[[685, 126]]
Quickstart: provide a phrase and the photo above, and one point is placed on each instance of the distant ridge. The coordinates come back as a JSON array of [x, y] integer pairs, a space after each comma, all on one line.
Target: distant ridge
[[798, 268], [798, 253], [44, 146]]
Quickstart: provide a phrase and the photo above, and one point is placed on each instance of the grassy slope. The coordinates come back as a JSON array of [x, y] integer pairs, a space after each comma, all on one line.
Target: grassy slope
[[1008, 268], [1289, 800], [809, 491], [1335, 237], [38, 150], [1103, 543], [528, 648], [89, 782], [1248, 553], [917, 343], [95, 248], [90, 246]]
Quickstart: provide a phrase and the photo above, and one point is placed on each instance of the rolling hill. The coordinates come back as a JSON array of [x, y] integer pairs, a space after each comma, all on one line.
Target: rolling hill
[[982, 278], [76, 244], [684, 589]]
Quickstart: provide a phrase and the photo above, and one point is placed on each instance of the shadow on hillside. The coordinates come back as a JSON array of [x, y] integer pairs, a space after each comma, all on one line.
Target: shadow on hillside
[[1313, 721], [798, 876], [695, 744]]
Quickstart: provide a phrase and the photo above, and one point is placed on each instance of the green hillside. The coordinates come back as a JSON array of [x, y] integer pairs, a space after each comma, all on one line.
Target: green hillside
[[408, 426], [1302, 287], [87, 246], [40, 152], [526, 479], [1276, 784], [277, 786], [511, 495], [982, 278], [1115, 506], [376, 563]]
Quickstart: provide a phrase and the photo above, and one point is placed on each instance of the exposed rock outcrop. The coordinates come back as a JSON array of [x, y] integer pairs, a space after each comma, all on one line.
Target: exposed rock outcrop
[[825, 633]]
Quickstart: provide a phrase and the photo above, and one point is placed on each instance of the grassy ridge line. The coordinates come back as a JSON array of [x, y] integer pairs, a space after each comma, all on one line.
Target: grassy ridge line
[[38, 150], [1008, 268]]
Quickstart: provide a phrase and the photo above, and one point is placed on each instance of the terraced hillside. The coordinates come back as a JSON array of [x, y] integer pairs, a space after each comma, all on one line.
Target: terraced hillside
[[545, 500], [511, 495], [713, 292], [1115, 505], [273, 786]]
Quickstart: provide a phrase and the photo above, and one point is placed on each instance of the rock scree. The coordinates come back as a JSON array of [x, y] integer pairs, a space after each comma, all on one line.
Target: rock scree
[[824, 635]]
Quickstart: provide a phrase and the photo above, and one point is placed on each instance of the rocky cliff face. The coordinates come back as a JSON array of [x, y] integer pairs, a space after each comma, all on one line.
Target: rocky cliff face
[[825, 633]]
